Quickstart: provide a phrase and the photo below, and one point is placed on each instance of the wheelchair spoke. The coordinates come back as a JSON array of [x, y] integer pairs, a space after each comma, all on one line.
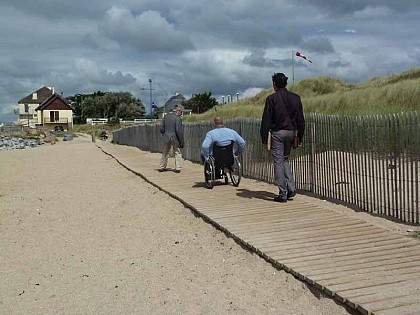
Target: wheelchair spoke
[[236, 172], [209, 173]]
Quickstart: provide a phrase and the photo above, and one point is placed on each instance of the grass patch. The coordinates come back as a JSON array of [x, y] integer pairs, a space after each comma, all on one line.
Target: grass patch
[[391, 94], [415, 234]]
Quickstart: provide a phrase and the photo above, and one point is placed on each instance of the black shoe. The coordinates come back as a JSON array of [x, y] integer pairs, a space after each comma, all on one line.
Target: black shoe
[[280, 199], [162, 170], [177, 171], [291, 194]]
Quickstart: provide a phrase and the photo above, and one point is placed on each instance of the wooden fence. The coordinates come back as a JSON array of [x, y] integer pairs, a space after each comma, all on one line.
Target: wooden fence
[[371, 162]]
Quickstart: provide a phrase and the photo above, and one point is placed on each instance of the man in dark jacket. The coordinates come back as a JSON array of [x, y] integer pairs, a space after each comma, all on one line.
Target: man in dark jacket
[[173, 136], [282, 118]]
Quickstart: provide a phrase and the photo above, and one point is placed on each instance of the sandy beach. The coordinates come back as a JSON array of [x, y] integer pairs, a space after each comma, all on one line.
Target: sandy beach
[[79, 234]]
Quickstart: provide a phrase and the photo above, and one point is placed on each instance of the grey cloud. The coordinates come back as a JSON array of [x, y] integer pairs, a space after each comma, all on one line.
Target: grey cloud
[[59, 9], [203, 74], [248, 34], [352, 6], [20, 69], [320, 45], [184, 46], [146, 32], [226, 29], [259, 59], [338, 64], [92, 72], [287, 37], [239, 24]]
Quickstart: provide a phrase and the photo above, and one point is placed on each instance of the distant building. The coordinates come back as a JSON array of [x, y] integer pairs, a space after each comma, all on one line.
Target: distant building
[[45, 108], [55, 111], [174, 101], [28, 104]]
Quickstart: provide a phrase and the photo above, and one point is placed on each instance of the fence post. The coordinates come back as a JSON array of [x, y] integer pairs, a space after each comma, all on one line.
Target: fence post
[[312, 152]]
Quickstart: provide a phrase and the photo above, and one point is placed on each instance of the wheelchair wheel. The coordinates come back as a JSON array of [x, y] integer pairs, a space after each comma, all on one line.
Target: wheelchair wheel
[[235, 172], [209, 173]]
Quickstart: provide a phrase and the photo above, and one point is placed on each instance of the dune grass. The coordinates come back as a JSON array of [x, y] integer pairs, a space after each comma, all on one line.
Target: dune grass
[[325, 95], [415, 234]]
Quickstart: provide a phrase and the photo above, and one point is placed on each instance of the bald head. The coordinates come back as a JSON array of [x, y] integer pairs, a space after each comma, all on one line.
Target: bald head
[[218, 121]]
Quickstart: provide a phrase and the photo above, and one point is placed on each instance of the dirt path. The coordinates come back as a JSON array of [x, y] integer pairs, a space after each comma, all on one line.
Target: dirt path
[[79, 234]]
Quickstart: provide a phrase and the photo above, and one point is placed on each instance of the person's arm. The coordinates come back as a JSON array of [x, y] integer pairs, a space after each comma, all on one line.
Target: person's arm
[[162, 126], [266, 122], [300, 122], [179, 131], [205, 146], [240, 143]]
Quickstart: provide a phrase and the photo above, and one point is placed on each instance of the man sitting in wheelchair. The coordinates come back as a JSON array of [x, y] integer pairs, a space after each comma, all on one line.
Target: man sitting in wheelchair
[[218, 156]]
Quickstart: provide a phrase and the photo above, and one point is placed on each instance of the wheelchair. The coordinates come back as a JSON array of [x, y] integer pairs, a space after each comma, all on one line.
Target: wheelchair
[[220, 164]]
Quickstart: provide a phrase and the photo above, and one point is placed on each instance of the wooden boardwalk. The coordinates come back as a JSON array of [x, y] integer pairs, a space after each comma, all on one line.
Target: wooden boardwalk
[[369, 268]]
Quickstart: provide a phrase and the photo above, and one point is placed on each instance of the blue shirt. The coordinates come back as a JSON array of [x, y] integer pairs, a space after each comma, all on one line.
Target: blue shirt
[[221, 136]]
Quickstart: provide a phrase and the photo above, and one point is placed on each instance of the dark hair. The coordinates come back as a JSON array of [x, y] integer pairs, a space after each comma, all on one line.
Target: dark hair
[[279, 80]]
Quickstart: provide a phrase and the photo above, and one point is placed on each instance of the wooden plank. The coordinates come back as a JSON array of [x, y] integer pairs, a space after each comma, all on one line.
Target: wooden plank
[[256, 215], [383, 300], [340, 235], [289, 230], [349, 262], [354, 283], [392, 265], [376, 251], [326, 243], [412, 309], [237, 210], [316, 252], [318, 249], [410, 285], [278, 237]]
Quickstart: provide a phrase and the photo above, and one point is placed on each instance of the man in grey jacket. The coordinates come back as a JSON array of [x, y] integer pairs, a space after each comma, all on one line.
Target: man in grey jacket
[[173, 137]]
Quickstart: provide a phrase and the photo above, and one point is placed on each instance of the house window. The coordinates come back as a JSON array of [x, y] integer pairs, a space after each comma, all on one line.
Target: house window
[[26, 108], [54, 116], [34, 96]]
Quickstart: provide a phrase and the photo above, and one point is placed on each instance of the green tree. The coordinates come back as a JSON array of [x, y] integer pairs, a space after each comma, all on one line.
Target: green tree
[[86, 105], [107, 104], [89, 108], [134, 109], [200, 103], [121, 105]]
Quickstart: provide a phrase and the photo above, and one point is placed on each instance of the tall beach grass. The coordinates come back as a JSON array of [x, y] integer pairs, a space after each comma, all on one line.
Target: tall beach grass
[[325, 95]]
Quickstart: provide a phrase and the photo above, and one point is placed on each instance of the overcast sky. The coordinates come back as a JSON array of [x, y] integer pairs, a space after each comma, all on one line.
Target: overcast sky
[[195, 46]]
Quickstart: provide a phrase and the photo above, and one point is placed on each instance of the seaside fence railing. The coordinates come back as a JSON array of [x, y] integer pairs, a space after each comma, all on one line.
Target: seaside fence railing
[[371, 162]]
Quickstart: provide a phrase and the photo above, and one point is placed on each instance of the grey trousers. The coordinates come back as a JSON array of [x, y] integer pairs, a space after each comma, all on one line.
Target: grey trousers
[[165, 155], [281, 145]]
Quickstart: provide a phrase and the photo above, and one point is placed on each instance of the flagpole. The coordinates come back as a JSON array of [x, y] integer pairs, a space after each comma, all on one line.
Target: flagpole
[[293, 69]]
